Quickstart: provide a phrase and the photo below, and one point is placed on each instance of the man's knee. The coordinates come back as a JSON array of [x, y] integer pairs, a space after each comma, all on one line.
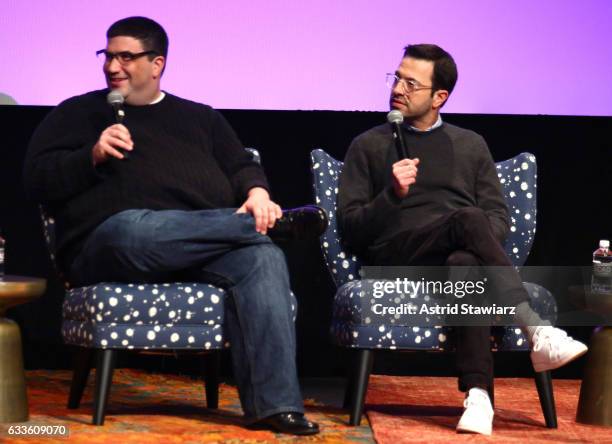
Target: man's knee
[[471, 216], [471, 223], [125, 236], [268, 256], [461, 258]]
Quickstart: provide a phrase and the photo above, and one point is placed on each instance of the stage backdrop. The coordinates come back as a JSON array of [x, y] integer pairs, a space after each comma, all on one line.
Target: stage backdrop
[[514, 57]]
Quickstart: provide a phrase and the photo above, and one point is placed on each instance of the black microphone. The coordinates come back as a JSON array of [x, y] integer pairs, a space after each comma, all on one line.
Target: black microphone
[[395, 119], [115, 99]]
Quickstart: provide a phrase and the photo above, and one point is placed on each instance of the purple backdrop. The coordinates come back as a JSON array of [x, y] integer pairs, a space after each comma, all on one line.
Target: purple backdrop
[[515, 57]]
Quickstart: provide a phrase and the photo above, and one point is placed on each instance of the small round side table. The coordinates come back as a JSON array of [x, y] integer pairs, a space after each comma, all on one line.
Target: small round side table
[[595, 402], [14, 290]]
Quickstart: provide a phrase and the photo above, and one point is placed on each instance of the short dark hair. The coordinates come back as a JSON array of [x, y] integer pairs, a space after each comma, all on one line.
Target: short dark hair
[[147, 31], [445, 69]]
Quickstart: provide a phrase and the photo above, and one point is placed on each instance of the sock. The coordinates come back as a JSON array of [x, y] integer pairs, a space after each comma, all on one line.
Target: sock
[[528, 320], [529, 331]]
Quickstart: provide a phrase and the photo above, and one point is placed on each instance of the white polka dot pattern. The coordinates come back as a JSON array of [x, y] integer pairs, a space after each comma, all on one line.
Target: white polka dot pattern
[[351, 329], [143, 316], [518, 179], [325, 171], [160, 303], [146, 316]]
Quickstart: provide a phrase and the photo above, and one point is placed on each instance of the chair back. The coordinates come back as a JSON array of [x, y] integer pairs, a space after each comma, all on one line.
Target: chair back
[[48, 225], [517, 176], [341, 263]]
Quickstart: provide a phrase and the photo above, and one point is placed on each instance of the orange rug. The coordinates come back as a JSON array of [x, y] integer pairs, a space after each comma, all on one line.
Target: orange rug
[[156, 408], [426, 410]]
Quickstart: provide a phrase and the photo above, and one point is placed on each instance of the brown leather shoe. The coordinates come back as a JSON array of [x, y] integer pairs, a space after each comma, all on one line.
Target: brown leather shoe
[[292, 423]]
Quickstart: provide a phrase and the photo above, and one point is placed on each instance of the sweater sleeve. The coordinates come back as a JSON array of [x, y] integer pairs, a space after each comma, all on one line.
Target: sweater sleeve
[[489, 196], [361, 213], [58, 163], [236, 162]]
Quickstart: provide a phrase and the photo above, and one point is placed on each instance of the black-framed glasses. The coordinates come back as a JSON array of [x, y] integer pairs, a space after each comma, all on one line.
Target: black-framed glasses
[[123, 57], [408, 86]]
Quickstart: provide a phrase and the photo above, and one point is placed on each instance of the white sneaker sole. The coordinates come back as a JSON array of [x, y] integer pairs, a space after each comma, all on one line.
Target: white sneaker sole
[[475, 428], [545, 366]]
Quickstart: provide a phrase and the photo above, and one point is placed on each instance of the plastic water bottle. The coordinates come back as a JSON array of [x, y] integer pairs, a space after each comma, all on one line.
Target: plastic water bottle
[[2, 242], [601, 281]]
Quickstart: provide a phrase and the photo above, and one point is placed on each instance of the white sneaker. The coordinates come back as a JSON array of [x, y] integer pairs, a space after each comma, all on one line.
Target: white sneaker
[[478, 414], [553, 348]]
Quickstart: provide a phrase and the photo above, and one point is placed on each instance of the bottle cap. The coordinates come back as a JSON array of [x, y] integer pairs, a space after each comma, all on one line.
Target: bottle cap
[[604, 243]]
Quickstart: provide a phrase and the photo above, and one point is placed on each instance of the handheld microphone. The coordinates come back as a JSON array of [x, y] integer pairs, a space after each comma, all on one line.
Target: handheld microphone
[[115, 99], [395, 119]]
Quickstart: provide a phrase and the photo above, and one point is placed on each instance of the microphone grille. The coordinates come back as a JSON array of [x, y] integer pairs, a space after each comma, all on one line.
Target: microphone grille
[[395, 116], [114, 98]]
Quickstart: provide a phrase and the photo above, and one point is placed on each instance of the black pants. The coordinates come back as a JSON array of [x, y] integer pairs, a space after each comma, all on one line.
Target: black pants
[[461, 238]]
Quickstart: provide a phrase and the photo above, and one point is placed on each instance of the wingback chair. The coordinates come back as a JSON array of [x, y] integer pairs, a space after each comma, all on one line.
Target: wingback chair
[[352, 329], [108, 317]]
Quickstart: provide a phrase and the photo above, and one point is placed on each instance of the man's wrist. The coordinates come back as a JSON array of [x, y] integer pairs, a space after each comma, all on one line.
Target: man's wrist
[[392, 195], [258, 190]]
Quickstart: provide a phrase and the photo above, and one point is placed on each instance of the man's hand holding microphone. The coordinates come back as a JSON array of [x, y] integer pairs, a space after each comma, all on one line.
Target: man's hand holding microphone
[[404, 175], [405, 170], [115, 141], [112, 142]]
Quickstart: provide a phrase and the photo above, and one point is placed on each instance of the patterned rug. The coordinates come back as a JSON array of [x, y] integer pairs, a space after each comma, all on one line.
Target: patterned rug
[[158, 408], [426, 410]]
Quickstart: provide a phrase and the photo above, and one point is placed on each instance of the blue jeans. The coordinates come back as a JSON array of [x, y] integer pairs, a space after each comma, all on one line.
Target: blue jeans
[[222, 248]]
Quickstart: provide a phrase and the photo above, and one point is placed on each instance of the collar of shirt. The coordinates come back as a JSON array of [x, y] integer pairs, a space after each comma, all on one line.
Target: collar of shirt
[[432, 127], [159, 98]]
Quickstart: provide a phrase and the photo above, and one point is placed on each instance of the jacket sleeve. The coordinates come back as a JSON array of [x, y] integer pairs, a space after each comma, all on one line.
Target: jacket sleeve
[[490, 198], [58, 163], [362, 214], [244, 173]]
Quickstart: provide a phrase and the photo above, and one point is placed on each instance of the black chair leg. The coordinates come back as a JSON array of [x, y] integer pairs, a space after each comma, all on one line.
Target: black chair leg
[[543, 382], [350, 389], [81, 368], [365, 359], [104, 378], [211, 364], [492, 392], [350, 380]]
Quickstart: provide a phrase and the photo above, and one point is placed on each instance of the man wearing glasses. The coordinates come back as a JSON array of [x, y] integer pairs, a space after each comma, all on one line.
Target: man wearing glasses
[[442, 206], [156, 196]]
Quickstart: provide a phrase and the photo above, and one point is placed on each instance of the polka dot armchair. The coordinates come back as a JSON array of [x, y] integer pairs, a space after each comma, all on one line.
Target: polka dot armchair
[[353, 329], [107, 317]]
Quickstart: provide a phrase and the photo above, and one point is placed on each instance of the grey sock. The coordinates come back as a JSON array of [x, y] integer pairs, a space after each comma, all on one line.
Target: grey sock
[[528, 320], [529, 331]]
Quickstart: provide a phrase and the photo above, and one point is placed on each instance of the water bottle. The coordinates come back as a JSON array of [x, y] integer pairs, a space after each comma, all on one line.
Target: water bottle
[[601, 281], [2, 242]]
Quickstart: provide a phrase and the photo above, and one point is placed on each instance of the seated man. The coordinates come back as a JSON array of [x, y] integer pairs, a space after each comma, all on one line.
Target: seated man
[[155, 198], [442, 206]]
